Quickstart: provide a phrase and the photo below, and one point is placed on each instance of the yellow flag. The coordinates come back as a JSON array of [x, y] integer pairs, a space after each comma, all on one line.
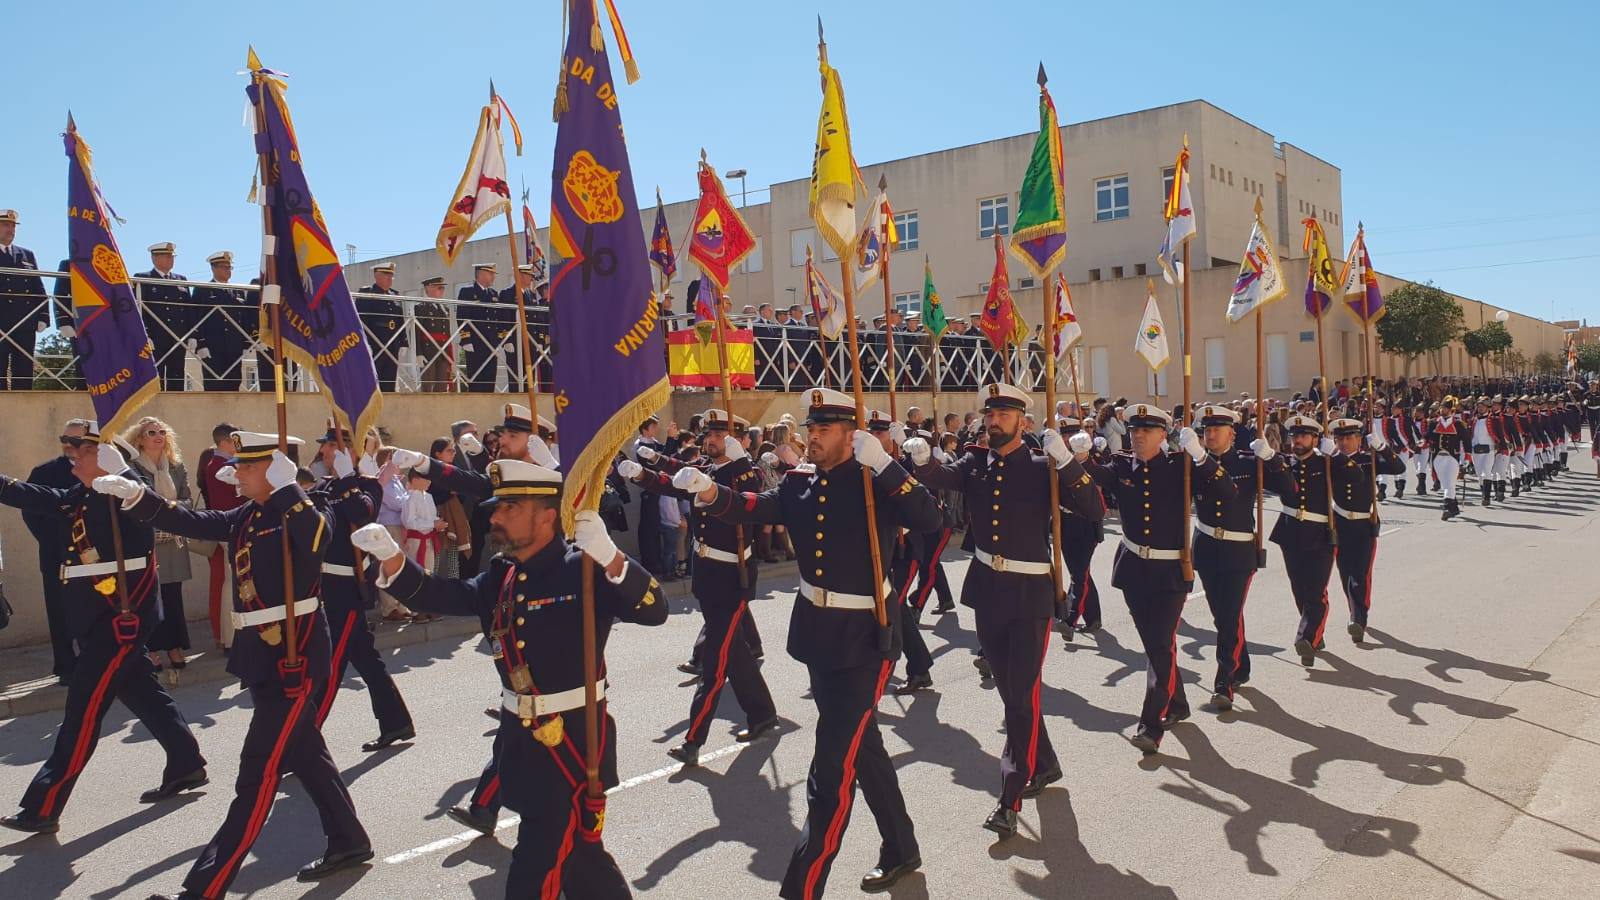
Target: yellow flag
[[833, 168]]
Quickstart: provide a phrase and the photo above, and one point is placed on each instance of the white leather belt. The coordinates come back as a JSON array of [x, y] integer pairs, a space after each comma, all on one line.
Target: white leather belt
[[1144, 552], [529, 706], [1223, 534], [706, 551], [1020, 566], [91, 570], [1304, 516], [826, 599], [335, 569], [1347, 514], [273, 614]]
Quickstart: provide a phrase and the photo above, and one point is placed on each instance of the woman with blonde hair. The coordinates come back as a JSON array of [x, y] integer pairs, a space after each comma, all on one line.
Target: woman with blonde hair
[[159, 461]]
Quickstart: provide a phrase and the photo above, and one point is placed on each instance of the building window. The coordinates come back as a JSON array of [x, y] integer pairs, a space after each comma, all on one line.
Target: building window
[[1216, 365], [994, 216], [800, 239], [1025, 283], [753, 262], [1094, 274], [1138, 269], [905, 223], [1116, 271], [1111, 198], [1167, 175], [1230, 178], [1308, 337], [908, 303], [983, 288]]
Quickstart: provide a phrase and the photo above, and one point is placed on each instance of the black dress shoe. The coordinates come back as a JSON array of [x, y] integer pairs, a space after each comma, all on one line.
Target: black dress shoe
[[388, 738], [1307, 655], [482, 821], [944, 608], [334, 862], [686, 753], [32, 822], [1145, 742], [1090, 627], [751, 732], [1240, 679], [1174, 717], [1040, 781], [985, 671], [1003, 821], [882, 877], [1358, 631], [181, 783], [1221, 702], [913, 684], [689, 668]]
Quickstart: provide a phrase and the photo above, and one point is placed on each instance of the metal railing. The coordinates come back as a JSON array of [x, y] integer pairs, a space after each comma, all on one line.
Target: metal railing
[[443, 345]]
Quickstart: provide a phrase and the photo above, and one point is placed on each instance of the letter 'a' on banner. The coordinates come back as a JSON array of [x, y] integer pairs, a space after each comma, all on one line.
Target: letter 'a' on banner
[[114, 352], [321, 330], [610, 356]]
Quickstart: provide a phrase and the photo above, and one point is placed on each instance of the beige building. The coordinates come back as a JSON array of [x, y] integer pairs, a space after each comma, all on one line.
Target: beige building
[[950, 203]]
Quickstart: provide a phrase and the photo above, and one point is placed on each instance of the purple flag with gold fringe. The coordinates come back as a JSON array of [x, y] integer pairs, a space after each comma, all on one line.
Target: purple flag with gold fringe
[[321, 330], [610, 360], [115, 356]]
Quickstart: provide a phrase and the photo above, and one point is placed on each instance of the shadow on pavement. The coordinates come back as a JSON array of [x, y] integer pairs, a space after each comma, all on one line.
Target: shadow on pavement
[[46, 865], [1441, 662], [1405, 695], [1072, 872]]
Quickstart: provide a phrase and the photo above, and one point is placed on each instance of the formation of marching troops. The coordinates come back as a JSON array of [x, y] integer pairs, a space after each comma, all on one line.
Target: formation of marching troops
[[307, 561]]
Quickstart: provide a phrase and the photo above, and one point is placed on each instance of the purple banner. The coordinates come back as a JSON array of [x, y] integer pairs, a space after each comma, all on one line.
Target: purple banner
[[321, 330], [610, 361], [114, 351]]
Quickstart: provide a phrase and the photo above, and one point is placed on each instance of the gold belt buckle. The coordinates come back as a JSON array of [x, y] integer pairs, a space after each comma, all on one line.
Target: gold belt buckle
[[1219, 533], [700, 550], [1144, 552], [525, 706], [997, 563], [822, 595], [63, 573]]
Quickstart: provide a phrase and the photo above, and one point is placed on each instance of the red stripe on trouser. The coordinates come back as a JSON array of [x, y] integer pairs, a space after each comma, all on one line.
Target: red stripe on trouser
[[1083, 596], [933, 570], [1238, 646], [333, 667], [1366, 595], [722, 673], [1172, 674], [86, 731], [1035, 722], [847, 789], [550, 889], [485, 798], [264, 795]]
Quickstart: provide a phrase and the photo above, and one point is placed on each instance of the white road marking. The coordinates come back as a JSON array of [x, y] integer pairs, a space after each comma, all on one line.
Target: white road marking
[[470, 835]]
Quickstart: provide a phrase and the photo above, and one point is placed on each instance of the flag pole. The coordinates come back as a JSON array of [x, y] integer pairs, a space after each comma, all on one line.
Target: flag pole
[[888, 302], [723, 304], [269, 289], [1186, 550], [1261, 426], [528, 367], [1370, 353], [933, 361], [1322, 380], [1049, 344]]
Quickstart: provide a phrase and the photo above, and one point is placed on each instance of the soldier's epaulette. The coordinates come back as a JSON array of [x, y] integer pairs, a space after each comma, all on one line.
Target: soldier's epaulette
[[806, 469], [971, 447]]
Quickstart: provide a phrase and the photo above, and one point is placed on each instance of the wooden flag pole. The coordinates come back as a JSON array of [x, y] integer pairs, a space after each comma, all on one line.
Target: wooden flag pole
[[1186, 551], [888, 305], [1322, 380], [1049, 344], [861, 422], [723, 304], [1261, 432], [528, 367], [933, 362], [1372, 407]]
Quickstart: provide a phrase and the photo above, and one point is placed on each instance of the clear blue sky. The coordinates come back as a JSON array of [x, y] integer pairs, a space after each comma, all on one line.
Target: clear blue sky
[[1467, 132]]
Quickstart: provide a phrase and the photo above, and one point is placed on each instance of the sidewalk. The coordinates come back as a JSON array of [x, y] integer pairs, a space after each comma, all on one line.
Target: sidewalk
[[23, 691]]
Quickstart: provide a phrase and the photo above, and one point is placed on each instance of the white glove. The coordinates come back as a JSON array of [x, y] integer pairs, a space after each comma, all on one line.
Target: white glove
[[540, 453], [375, 541], [770, 459], [941, 456], [1080, 443], [1100, 443], [733, 449], [691, 480], [342, 467], [629, 469], [367, 466], [919, 451], [589, 533], [1326, 446], [1190, 441], [1056, 448], [869, 451], [897, 433], [228, 475], [281, 471], [409, 459], [1262, 449], [647, 454], [202, 353], [469, 442], [555, 456], [124, 488], [110, 460], [1376, 441]]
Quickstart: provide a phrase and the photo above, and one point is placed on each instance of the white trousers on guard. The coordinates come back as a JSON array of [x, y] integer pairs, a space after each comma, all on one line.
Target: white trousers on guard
[[1446, 467]]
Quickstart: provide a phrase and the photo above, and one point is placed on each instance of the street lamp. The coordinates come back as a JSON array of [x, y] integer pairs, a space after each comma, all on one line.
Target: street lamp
[[739, 174]]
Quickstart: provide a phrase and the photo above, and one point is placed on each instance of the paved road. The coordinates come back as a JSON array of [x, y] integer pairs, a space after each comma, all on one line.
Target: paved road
[[1455, 755]]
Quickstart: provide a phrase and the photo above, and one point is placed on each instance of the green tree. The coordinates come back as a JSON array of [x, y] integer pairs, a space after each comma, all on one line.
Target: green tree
[[56, 367], [1419, 319], [1488, 340], [1589, 358], [1547, 363], [1515, 361]]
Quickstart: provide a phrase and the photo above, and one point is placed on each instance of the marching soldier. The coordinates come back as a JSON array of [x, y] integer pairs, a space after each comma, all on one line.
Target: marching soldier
[[225, 331], [1401, 434], [384, 321], [21, 317], [1148, 484], [110, 635], [1445, 437], [721, 550], [484, 327], [1487, 443], [1353, 510], [1011, 589], [528, 600], [1422, 461], [1225, 553], [167, 314], [833, 630], [283, 734], [1080, 536], [916, 562], [1302, 532], [353, 498]]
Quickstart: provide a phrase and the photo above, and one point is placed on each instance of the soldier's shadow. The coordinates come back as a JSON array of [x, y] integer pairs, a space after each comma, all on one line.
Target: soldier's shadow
[[1070, 870], [748, 806], [29, 739], [936, 742], [1106, 643], [1490, 523], [45, 864], [1202, 639], [1405, 695], [1442, 662]]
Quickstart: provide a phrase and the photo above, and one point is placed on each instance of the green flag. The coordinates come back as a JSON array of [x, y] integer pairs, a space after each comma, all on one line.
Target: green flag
[[1039, 237], [932, 309]]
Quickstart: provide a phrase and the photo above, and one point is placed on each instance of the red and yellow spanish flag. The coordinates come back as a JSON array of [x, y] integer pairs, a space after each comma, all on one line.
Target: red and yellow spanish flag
[[692, 362]]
